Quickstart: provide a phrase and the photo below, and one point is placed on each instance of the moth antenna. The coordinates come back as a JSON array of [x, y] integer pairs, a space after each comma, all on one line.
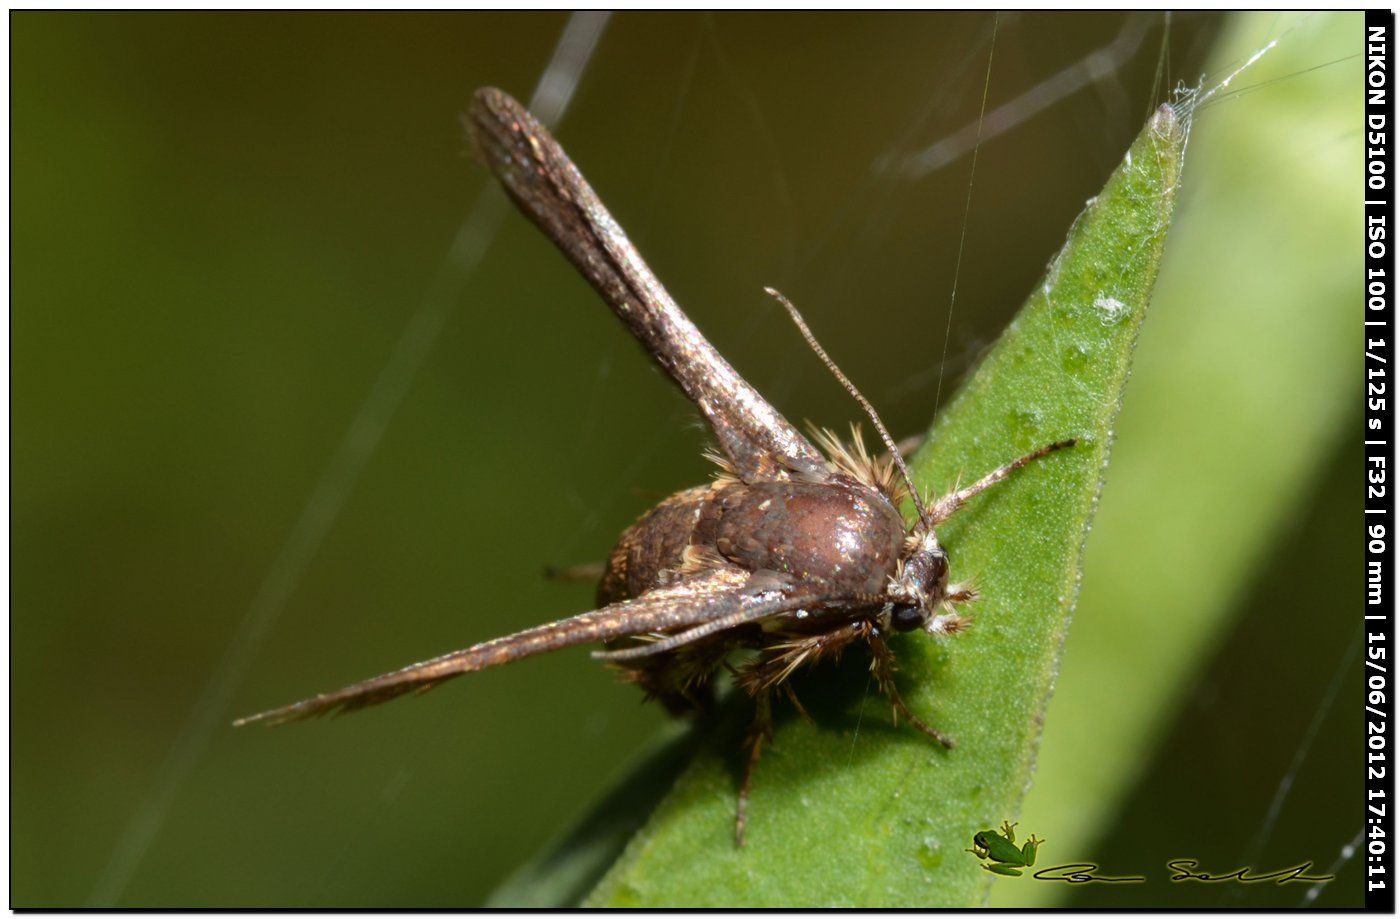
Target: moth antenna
[[855, 394]]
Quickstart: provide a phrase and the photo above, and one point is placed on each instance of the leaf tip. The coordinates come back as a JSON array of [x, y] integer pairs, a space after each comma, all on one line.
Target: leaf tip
[[1164, 122]]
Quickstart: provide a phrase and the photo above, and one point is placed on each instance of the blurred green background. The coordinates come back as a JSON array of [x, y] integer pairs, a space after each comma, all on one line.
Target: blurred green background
[[221, 224]]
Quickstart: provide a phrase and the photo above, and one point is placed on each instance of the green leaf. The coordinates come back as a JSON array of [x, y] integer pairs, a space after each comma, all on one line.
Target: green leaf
[[848, 809], [1253, 343]]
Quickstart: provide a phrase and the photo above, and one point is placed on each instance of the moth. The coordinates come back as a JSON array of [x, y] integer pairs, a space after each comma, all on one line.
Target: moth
[[790, 555]]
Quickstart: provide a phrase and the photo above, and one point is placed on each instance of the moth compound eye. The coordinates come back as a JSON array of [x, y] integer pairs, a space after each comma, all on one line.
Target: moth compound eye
[[906, 618]]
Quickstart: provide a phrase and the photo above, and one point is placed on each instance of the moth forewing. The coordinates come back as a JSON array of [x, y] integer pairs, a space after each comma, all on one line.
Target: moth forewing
[[550, 190], [686, 604]]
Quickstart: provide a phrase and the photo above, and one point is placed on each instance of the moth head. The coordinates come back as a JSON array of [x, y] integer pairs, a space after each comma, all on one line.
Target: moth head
[[920, 585]]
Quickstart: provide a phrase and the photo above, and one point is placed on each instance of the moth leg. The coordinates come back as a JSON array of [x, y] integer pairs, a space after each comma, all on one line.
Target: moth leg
[[779, 661], [681, 681], [907, 445], [797, 703], [760, 731], [882, 665], [589, 571], [951, 503], [763, 676]]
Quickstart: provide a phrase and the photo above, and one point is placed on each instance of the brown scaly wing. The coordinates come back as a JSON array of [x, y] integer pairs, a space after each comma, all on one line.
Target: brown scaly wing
[[549, 189], [724, 594]]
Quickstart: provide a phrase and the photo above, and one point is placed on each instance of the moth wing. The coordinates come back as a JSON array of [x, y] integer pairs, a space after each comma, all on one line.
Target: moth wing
[[747, 606], [711, 594], [538, 175]]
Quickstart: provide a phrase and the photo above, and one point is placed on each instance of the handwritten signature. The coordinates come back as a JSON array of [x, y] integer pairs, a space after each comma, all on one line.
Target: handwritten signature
[[1084, 873], [1182, 868]]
